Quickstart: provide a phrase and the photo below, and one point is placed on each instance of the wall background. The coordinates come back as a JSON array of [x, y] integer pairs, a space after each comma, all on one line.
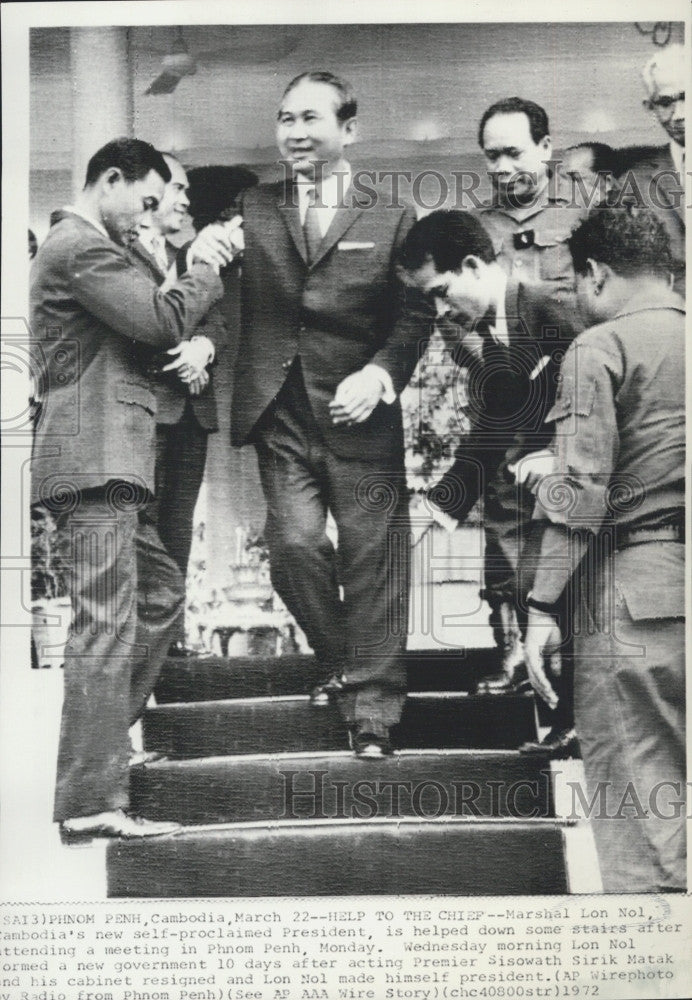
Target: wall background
[[421, 88]]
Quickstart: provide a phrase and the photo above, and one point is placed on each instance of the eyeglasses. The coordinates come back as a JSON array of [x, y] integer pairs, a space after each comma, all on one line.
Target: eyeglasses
[[665, 102]]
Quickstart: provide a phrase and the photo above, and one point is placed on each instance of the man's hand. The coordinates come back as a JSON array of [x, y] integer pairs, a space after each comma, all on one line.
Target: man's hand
[[197, 386], [542, 643], [529, 471], [191, 358], [356, 397], [216, 244]]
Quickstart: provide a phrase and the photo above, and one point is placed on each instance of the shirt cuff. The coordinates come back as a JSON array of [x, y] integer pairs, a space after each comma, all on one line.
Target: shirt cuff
[[388, 394]]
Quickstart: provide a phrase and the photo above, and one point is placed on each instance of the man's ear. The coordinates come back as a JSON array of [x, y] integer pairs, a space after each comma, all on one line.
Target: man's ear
[[598, 273], [350, 130], [546, 145], [472, 263], [112, 176]]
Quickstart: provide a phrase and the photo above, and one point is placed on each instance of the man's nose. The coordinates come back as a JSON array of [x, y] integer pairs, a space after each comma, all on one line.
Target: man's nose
[[442, 307], [297, 129], [502, 165]]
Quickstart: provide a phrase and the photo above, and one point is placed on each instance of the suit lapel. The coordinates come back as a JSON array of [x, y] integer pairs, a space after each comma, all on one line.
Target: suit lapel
[[344, 218], [340, 224], [287, 206], [670, 184]]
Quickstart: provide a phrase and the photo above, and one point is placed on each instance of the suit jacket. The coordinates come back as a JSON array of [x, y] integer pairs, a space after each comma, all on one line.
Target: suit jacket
[[344, 310], [511, 392], [92, 311], [654, 177], [171, 393]]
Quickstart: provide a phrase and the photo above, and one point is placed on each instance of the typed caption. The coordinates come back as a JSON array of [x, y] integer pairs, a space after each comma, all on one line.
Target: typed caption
[[355, 949]]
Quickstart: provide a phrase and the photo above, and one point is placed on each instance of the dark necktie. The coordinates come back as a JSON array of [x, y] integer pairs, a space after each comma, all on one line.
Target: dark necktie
[[311, 227]]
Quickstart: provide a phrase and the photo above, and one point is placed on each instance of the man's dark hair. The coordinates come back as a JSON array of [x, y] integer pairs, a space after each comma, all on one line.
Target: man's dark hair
[[446, 237], [630, 240], [214, 190], [348, 105], [604, 159], [538, 119], [134, 157]]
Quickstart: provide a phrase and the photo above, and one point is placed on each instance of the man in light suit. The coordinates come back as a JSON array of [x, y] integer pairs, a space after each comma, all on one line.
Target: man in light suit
[[328, 341], [96, 320], [183, 382], [657, 177]]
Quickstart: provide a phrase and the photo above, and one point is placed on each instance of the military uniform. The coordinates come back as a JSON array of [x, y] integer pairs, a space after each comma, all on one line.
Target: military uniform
[[530, 242], [620, 444]]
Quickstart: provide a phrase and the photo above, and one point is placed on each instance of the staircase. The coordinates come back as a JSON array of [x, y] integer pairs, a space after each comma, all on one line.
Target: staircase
[[274, 804]]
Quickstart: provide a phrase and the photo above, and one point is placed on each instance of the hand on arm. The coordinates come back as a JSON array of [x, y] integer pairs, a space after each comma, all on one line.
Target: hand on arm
[[529, 471]]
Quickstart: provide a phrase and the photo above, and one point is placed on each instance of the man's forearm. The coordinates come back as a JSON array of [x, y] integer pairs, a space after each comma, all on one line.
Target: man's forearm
[[561, 553]]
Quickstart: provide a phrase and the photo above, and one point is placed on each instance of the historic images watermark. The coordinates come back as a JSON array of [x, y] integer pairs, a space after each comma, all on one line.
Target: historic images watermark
[[472, 190], [315, 794]]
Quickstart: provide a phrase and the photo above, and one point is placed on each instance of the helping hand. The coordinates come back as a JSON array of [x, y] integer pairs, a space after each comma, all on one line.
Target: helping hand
[[542, 642], [197, 386], [356, 397], [213, 245], [192, 359], [529, 470]]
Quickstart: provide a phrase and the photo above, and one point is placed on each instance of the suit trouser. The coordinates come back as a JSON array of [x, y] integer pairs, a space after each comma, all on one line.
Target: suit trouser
[[181, 455], [127, 597], [362, 633], [630, 714]]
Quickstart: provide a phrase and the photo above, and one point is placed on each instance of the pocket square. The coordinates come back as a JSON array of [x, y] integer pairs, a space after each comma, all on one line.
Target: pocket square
[[354, 245]]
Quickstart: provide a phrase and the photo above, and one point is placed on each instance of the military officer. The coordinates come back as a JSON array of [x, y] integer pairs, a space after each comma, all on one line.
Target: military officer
[[618, 496]]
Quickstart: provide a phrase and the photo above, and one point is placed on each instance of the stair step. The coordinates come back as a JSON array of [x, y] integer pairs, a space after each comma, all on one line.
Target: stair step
[[333, 858], [214, 678], [338, 785], [284, 725]]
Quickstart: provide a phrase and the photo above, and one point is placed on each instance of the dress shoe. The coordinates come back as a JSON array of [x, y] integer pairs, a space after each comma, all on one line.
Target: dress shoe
[[559, 744], [116, 823], [371, 742], [325, 692], [514, 681], [138, 757], [180, 650]]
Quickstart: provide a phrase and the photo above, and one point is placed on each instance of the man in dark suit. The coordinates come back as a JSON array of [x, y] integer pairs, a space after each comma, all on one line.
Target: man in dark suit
[[183, 383], [511, 336], [95, 318], [327, 345], [656, 178]]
